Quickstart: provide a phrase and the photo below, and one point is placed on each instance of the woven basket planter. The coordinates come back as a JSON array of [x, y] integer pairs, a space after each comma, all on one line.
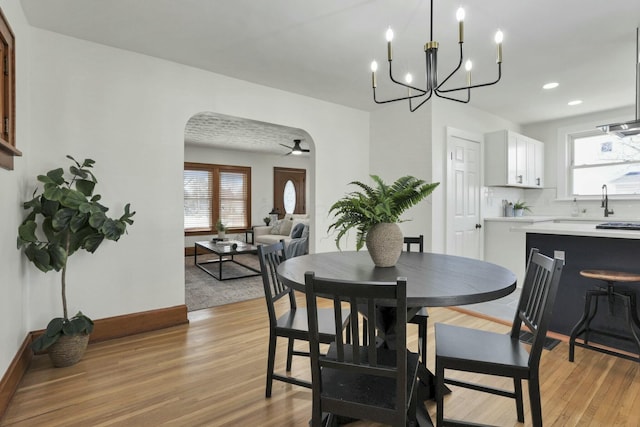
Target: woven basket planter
[[384, 243], [68, 350]]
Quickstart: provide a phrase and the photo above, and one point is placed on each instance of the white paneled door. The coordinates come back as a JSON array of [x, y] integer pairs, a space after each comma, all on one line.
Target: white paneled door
[[464, 229]]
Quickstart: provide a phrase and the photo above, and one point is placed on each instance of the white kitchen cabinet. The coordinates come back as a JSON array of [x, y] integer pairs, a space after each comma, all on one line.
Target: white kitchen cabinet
[[538, 161], [513, 160]]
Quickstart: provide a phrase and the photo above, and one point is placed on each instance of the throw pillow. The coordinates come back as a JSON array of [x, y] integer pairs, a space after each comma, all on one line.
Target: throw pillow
[[296, 231], [285, 227], [276, 227]]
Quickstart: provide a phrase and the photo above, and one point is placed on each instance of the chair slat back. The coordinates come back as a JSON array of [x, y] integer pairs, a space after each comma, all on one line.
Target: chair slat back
[[356, 356], [408, 241], [536, 300], [270, 257]]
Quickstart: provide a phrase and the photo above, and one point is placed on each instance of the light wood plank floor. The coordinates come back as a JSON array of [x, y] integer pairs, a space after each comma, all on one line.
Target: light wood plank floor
[[211, 373]]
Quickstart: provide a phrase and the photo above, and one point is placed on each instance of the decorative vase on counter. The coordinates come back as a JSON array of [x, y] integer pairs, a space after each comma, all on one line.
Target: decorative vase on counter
[[518, 212], [508, 209], [384, 243]]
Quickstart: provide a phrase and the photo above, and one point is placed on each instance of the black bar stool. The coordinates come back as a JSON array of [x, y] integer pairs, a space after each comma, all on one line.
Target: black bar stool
[[591, 307]]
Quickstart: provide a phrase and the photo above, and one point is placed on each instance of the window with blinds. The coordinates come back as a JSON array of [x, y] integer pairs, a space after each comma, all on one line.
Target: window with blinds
[[198, 197], [213, 192], [233, 199]]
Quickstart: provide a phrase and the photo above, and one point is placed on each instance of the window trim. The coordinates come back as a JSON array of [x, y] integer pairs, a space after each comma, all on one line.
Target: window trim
[[8, 148], [571, 167], [564, 155], [215, 169]]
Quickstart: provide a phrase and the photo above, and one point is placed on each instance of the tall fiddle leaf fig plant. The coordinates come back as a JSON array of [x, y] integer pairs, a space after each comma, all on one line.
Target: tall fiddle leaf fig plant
[[64, 217]]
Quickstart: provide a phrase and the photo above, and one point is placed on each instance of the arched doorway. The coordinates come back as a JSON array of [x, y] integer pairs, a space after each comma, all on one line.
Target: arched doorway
[[227, 141]]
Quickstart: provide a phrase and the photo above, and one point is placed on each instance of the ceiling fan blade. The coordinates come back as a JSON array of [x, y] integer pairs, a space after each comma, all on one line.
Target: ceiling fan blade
[[290, 148]]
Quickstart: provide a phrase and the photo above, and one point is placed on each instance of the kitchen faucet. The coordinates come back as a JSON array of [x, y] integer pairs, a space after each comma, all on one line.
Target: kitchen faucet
[[605, 201]]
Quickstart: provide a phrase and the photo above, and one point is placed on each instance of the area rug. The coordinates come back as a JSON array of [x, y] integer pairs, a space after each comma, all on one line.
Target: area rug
[[203, 291]]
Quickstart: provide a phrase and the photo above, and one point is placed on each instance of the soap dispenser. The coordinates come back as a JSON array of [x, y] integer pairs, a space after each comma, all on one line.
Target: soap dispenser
[[575, 210]]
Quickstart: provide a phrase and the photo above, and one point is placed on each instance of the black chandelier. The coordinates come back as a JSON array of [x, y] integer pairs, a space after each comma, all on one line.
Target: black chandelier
[[431, 73]]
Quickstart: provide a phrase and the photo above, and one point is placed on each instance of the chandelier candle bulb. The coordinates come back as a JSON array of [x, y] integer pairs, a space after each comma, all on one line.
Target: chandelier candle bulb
[[498, 39], [460, 17], [389, 39], [468, 66], [374, 68]]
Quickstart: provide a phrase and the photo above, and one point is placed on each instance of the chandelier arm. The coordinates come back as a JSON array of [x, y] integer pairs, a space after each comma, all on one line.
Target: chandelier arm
[[413, 109], [463, 101], [396, 99], [438, 91], [454, 71], [408, 86]]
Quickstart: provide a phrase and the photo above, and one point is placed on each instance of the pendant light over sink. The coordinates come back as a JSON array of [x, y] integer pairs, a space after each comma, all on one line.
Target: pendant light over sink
[[432, 85]]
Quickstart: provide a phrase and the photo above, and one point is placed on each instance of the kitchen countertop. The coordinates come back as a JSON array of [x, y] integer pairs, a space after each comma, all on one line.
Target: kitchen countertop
[[578, 228], [525, 219], [541, 218]]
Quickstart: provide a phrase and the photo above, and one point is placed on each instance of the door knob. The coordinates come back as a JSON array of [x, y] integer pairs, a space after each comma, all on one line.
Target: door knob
[[478, 226]]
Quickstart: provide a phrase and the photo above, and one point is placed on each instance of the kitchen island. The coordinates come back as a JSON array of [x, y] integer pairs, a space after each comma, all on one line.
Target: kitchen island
[[583, 247]]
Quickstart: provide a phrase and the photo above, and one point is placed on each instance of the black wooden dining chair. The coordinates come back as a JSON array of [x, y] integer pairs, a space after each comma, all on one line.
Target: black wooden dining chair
[[422, 316], [292, 324], [472, 350], [410, 241], [358, 380]]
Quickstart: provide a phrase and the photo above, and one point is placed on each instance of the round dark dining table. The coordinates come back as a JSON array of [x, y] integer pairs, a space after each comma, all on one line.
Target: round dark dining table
[[433, 280]]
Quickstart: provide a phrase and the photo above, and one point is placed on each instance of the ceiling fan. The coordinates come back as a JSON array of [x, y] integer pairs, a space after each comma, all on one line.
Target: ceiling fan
[[296, 149]]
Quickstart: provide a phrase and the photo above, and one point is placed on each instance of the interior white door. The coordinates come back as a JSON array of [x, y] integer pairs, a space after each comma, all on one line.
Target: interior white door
[[464, 168]]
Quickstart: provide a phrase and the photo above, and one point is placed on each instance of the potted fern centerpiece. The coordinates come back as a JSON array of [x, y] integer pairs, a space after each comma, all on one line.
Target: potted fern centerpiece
[[375, 213], [64, 218]]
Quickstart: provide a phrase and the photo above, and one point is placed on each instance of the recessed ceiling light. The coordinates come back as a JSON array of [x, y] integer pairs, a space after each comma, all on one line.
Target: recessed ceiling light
[[575, 102], [551, 85]]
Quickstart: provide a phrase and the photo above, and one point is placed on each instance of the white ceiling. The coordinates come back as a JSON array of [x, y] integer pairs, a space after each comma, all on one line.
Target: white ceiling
[[235, 133], [323, 48]]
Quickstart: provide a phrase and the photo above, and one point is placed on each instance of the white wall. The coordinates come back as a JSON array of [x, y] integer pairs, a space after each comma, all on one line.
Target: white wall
[[261, 176], [13, 274], [405, 143], [128, 112], [400, 146]]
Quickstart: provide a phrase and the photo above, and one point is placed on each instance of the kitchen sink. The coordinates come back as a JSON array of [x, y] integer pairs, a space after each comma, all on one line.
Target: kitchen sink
[[619, 225]]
